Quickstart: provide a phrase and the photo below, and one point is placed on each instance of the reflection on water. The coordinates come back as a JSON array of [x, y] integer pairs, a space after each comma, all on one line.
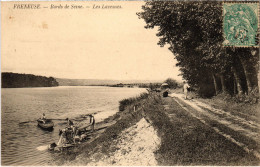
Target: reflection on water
[[23, 143]]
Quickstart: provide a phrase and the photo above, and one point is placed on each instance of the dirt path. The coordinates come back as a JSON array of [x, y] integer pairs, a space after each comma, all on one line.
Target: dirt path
[[223, 121]]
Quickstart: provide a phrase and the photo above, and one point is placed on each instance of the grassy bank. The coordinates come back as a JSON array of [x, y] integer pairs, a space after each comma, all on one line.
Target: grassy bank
[[245, 110], [184, 139]]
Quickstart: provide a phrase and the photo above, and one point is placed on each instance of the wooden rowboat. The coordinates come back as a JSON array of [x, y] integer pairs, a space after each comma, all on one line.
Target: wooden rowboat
[[45, 124]]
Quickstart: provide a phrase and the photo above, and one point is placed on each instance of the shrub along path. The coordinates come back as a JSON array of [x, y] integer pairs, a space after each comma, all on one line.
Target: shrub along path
[[244, 133]]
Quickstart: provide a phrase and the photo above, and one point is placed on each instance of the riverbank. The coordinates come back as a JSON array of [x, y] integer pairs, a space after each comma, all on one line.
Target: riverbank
[[107, 132], [152, 130]]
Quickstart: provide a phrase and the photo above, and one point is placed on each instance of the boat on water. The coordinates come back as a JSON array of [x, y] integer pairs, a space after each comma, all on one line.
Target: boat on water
[[46, 124]]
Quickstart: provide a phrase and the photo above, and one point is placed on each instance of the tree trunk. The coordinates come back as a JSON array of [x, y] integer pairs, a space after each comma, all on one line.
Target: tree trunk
[[255, 54], [258, 79], [257, 70], [235, 87], [258, 73], [238, 81], [224, 88], [215, 84], [248, 81]]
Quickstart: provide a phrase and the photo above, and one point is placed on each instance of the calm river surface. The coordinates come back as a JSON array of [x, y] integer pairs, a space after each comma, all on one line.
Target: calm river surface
[[21, 107]]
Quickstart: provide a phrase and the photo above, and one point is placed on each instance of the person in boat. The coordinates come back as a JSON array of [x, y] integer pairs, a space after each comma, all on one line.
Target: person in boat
[[92, 122], [69, 135], [76, 136], [63, 138], [75, 132], [69, 123], [43, 118]]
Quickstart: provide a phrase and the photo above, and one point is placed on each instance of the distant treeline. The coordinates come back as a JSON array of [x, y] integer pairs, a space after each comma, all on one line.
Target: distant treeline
[[171, 83], [15, 80], [139, 85]]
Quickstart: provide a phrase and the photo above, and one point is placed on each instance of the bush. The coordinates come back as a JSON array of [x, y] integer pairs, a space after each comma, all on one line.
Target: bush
[[172, 83], [125, 102]]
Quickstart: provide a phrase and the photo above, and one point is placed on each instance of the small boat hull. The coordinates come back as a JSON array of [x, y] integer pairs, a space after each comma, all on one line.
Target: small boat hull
[[45, 125]]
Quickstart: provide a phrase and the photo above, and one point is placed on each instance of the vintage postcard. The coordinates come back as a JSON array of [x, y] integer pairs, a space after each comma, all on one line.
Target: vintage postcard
[[130, 83]]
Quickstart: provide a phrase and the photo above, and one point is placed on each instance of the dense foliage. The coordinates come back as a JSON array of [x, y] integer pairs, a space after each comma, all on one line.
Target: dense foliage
[[14, 80], [150, 85], [172, 83], [194, 32]]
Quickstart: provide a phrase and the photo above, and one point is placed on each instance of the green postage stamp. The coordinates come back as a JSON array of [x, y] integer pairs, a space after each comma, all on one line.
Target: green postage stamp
[[240, 24]]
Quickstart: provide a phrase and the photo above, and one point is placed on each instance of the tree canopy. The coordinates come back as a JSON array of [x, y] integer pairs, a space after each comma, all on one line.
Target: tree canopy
[[194, 33]]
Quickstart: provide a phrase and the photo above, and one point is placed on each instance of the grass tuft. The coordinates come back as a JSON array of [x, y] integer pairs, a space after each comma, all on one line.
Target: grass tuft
[[129, 101]]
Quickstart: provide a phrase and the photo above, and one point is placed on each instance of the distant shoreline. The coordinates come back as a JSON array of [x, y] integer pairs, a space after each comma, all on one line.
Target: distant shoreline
[[16, 80], [106, 82]]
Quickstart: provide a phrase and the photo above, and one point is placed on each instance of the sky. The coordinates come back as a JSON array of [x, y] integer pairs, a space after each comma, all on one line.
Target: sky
[[83, 43]]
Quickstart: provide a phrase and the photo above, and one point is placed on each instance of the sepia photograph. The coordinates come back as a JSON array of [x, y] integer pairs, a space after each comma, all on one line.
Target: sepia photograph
[[130, 83]]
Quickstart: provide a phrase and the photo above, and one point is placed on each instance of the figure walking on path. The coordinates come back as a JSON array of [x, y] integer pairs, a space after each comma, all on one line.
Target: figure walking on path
[[185, 89], [92, 122]]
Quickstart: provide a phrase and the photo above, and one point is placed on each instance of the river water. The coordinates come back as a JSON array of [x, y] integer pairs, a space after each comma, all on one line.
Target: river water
[[23, 142]]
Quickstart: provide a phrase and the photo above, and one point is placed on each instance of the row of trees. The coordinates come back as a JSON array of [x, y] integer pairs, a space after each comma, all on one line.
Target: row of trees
[[194, 33], [14, 80], [172, 83]]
